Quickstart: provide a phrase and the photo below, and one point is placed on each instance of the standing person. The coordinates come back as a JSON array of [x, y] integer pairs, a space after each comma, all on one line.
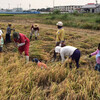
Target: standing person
[[8, 34], [22, 42], [32, 31], [70, 51], [97, 53], [1, 42], [60, 34], [36, 31], [59, 37]]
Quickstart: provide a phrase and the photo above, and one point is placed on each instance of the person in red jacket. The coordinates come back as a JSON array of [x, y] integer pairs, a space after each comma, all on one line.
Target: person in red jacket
[[22, 42]]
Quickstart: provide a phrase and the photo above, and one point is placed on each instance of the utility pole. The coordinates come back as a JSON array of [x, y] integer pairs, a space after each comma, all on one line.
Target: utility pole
[[8, 5], [53, 4], [20, 5], [29, 6], [96, 2]]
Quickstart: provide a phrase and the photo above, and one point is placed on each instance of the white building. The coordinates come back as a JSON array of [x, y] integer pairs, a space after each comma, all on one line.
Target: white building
[[72, 8], [17, 10], [69, 8], [60, 8], [91, 8]]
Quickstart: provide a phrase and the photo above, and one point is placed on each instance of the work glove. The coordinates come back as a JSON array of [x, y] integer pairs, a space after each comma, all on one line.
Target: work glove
[[90, 56], [20, 44]]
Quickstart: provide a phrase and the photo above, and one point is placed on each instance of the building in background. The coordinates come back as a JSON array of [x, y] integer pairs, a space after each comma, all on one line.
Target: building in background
[[88, 8], [69, 8], [17, 10], [73, 8], [91, 8], [60, 8]]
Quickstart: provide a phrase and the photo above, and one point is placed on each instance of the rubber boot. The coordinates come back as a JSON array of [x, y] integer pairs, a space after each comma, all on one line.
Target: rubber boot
[[27, 59], [30, 37], [54, 56]]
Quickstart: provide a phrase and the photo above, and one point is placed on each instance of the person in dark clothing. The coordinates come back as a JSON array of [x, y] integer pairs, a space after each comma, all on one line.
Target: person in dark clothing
[[8, 34]]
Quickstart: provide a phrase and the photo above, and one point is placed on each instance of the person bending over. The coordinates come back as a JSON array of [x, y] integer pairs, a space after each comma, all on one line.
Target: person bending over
[[71, 52], [22, 42]]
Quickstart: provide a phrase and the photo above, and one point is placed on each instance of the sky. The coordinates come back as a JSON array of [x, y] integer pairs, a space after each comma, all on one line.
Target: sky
[[35, 4]]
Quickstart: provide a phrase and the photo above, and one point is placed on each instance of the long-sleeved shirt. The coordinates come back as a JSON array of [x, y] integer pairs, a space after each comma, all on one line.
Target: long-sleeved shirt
[[22, 39], [60, 35], [97, 53], [8, 30], [1, 42], [40, 64], [36, 28], [1, 32], [66, 51]]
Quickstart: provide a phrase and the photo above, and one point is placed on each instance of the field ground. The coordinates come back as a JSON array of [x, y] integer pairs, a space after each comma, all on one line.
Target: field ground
[[20, 81]]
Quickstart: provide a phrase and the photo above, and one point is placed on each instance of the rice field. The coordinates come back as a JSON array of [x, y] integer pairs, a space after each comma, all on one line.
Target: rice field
[[21, 81]]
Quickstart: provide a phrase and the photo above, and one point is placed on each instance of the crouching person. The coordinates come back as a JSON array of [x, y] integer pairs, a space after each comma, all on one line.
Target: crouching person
[[40, 64], [22, 42], [36, 31], [70, 51]]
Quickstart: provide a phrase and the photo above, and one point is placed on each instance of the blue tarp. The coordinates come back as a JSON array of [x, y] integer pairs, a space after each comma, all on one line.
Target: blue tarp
[[35, 12]]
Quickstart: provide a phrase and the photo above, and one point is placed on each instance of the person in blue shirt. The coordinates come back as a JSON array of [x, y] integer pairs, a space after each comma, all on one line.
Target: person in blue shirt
[[8, 34]]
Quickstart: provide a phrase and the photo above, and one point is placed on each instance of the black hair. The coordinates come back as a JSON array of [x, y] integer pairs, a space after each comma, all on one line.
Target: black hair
[[59, 27], [35, 60], [9, 24], [15, 35], [99, 46]]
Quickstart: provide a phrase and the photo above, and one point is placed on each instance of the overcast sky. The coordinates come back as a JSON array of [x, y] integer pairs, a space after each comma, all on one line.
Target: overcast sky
[[41, 3]]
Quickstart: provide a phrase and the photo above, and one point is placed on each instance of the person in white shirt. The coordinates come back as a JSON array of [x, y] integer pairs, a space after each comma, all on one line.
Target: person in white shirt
[[70, 51], [1, 42], [1, 32]]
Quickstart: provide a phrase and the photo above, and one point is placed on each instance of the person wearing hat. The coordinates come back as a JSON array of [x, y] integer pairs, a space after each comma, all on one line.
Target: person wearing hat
[[8, 34], [71, 52], [60, 34], [1, 42], [36, 31], [32, 31], [59, 37], [22, 42], [40, 64], [97, 53]]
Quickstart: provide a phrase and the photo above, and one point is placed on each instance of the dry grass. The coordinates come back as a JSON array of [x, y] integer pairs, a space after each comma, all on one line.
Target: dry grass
[[20, 81]]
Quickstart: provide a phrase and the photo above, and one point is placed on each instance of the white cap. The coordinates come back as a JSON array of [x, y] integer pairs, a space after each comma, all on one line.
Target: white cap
[[57, 49], [59, 23]]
